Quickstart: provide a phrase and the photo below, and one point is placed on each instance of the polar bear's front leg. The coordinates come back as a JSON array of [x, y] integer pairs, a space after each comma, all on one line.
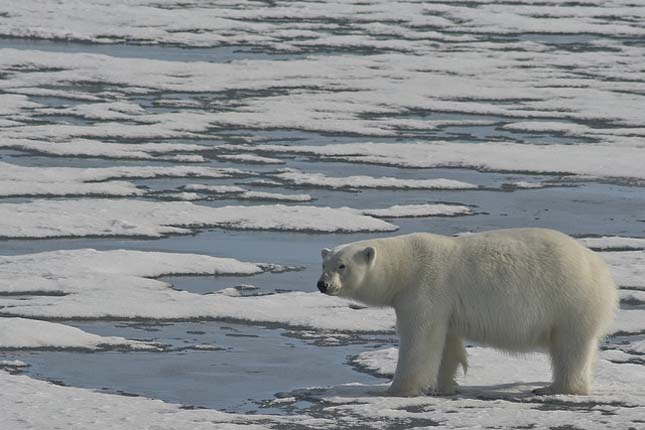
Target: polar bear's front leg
[[420, 349]]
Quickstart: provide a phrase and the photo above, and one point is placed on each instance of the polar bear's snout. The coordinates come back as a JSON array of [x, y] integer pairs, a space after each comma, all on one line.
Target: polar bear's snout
[[326, 284], [323, 286]]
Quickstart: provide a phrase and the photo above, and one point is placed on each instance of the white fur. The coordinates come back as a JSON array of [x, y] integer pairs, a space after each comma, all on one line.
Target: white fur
[[517, 290]]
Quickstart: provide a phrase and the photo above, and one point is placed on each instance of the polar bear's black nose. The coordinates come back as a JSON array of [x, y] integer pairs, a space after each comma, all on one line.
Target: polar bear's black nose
[[322, 286]]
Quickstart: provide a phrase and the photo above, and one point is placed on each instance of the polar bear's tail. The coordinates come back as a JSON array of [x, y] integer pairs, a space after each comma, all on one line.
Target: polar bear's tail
[[463, 358], [455, 355]]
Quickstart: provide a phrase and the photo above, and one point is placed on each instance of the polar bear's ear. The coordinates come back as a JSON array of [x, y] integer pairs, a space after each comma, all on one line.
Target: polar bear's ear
[[325, 252], [370, 254]]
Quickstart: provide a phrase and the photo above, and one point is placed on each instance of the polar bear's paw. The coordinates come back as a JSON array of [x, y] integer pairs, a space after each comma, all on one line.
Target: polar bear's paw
[[446, 390], [398, 392], [571, 391], [544, 391], [449, 389]]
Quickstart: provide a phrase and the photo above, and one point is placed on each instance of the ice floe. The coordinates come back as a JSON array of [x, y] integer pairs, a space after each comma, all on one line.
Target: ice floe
[[16, 180], [244, 194], [21, 333], [629, 321], [632, 296], [215, 189], [94, 148], [291, 25], [118, 262], [597, 160], [112, 111], [296, 177], [497, 392], [116, 284], [263, 195], [250, 158], [12, 104], [524, 185], [628, 267], [100, 217], [424, 210], [31, 404], [367, 95], [13, 364], [484, 366], [613, 242]]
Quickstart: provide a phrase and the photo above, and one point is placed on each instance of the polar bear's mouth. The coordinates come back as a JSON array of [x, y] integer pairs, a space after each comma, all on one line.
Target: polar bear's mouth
[[323, 286], [327, 288]]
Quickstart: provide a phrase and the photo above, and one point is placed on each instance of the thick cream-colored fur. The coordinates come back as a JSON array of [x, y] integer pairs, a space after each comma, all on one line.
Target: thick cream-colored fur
[[516, 290]]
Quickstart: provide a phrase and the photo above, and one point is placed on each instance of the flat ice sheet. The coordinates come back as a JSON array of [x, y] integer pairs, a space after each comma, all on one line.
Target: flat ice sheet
[[103, 217], [22, 333], [508, 157], [31, 404]]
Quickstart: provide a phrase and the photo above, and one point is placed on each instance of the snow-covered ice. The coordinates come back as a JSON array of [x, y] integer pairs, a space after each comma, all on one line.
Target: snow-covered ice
[[497, 392], [510, 157], [403, 211], [613, 243], [13, 364], [31, 404], [244, 194], [86, 283], [12, 104], [101, 149], [628, 267], [250, 158], [68, 218], [25, 333], [319, 180], [16, 180]]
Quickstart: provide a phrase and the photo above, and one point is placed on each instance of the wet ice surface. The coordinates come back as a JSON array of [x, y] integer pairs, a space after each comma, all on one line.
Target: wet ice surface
[[204, 364], [112, 134]]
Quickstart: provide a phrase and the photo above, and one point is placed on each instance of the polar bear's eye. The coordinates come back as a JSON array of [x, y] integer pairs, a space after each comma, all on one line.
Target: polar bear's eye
[[342, 267]]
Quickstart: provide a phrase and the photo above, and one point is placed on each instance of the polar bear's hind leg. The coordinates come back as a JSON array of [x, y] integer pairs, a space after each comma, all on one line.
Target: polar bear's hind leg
[[572, 359], [454, 355]]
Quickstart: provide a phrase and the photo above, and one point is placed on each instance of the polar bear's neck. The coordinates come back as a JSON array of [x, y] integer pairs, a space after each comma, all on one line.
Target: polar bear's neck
[[404, 264]]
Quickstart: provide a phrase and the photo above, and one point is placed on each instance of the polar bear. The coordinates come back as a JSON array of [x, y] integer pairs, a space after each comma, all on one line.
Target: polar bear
[[517, 290]]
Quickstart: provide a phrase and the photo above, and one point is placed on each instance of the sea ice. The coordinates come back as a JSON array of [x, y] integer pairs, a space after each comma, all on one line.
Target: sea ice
[[613, 243], [86, 283], [93, 148], [299, 178], [100, 217], [625, 162], [21, 333], [628, 267], [424, 210], [18, 180], [31, 404], [496, 392], [244, 194]]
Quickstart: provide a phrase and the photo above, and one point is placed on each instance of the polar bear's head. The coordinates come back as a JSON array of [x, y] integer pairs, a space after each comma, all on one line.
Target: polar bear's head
[[345, 270]]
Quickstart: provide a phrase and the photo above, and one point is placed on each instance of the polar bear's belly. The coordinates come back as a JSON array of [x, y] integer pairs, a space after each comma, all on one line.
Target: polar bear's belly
[[504, 324]]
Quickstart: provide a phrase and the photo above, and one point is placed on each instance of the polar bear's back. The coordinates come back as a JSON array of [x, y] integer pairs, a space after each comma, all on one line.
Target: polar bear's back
[[512, 288]]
